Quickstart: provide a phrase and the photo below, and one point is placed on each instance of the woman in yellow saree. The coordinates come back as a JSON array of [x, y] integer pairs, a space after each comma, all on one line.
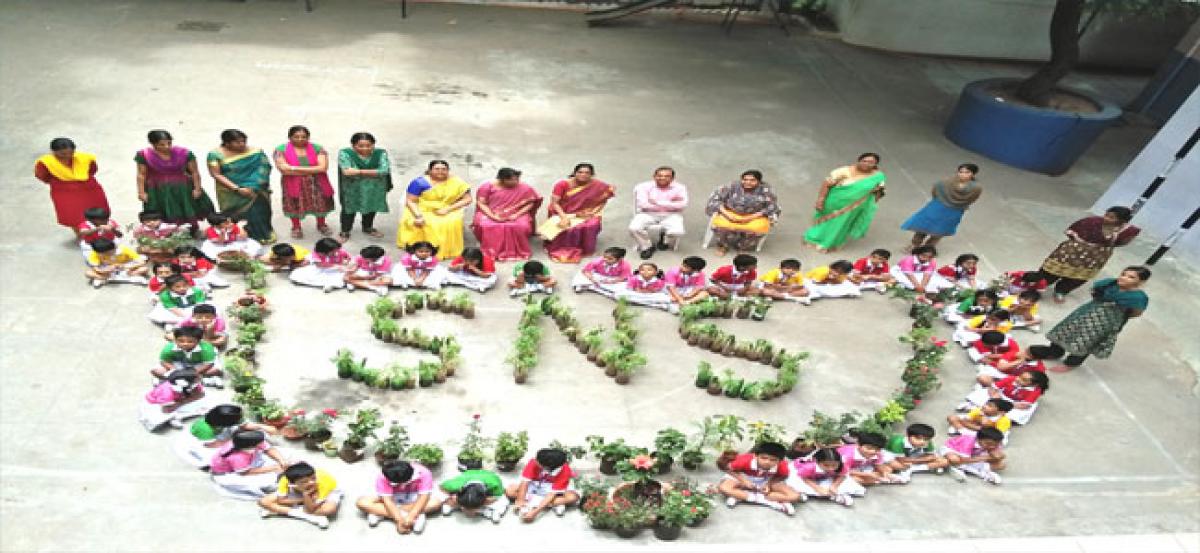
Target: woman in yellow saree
[[846, 205], [433, 211]]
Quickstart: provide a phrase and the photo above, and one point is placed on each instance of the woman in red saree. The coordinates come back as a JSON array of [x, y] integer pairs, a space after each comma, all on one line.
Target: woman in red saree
[[504, 216], [71, 177], [576, 210]]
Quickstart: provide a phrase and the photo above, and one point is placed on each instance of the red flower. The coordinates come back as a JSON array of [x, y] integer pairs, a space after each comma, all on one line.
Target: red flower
[[693, 509], [939, 343], [298, 412], [331, 412], [476, 416], [916, 402], [686, 493]]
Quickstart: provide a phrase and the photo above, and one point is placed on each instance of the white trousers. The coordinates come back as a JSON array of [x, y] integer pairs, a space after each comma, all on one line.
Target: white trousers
[[639, 227]]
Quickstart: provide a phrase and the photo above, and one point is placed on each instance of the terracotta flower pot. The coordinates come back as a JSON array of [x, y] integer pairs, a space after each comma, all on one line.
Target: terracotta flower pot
[[610, 371], [714, 388], [350, 454], [469, 464], [292, 433], [313, 441], [520, 378], [622, 379], [277, 422], [506, 466]]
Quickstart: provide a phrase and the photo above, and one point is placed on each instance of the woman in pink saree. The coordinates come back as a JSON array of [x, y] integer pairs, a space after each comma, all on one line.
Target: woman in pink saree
[[576, 210], [505, 209]]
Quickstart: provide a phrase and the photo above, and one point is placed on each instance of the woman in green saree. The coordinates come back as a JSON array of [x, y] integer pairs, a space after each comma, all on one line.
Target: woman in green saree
[[243, 176], [847, 203]]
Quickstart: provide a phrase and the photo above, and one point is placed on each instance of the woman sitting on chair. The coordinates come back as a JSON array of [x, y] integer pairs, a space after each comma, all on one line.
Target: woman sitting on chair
[[742, 213]]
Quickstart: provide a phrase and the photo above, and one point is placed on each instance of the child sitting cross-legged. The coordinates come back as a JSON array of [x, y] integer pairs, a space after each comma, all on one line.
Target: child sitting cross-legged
[[981, 302], [175, 399], [993, 414], [916, 271], [96, 225], [326, 268], [108, 262], [785, 283], [971, 329], [604, 275], [760, 477], [205, 317], [913, 451], [193, 264], [824, 475], [403, 495], [1023, 391], [686, 283], [212, 431], [476, 493], [284, 257], [994, 347], [873, 272], [1032, 358], [980, 455], [1020, 281], [372, 270], [304, 493], [158, 279], [1023, 310], [176, 301], [545, 485], [151, 226], [189, 351], [959, 275], [246, 467], [419, 267], [473, 269], [866, 463], [737, 279], [224, 235], [832, 281], [645, 287], [529, 277]]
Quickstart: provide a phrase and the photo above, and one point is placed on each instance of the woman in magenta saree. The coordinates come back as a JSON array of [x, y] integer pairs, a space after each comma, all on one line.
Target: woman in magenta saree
[[505, 209], [576, 210]]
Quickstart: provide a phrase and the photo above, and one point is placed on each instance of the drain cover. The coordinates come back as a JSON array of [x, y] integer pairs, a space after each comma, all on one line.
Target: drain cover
[[205, 26]]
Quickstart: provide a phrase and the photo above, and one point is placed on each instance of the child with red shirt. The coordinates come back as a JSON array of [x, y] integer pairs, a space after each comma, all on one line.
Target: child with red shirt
[[200, 269], [1031, 359], [473, 269], [1023, 390], [993, 347], [158, 278], [96, 225], [1020, 281], [545, 484], [959, 275], [223, 235], [736, 279], [873, 271], [760, 477]]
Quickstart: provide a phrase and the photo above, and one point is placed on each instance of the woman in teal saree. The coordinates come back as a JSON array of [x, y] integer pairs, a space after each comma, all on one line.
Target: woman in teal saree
[[847, 203], [243, 176]]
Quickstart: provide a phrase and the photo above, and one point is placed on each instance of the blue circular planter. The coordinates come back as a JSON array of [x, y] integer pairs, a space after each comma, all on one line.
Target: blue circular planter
[[1042, 140]]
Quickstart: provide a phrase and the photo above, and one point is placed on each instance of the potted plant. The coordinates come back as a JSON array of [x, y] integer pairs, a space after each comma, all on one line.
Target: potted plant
[[697, 501], [318, 428], [610, 453], [692, 458], [630, 517], [743, 310], [297, 426], [509, 450], [627, 364], [470, 455], [362, 428], [590, 341], [669, 443], [704, 374], [598, 507], [731, 386], [572, 451], [766, 351], [429, 455], [427, 373], [759, 307], [413, 301], [271, 412], [828, 431], [433, 302], [393, 446], [715, 386], [727, 432], [381, 308], [464, 306], [675, 512], [344, 361], [244, 379]]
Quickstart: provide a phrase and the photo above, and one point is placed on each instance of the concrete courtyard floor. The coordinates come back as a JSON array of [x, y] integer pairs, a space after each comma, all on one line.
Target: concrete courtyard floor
[[1114, 449]]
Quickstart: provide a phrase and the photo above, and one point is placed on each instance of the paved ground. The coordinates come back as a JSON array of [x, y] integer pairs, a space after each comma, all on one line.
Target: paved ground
[[1114, 449]]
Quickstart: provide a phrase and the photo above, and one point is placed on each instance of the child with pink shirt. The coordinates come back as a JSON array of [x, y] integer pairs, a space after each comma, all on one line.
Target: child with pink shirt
[[372, 271], [604, 275], [979, 455], [824, 475], [645, 287], [404, 495], [247, 467], [327, 266], [419, 268], [865, 461], [205, 317], [687, 284], [916, 271], [173, 400]]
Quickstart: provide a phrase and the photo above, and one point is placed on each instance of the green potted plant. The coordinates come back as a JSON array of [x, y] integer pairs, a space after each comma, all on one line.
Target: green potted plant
[[318, 429], [393, 446], [413, 301], [464, 305], [429, 455], [426, 373], [630, 517], [297, 426], [675, 512], [728, 431], [596, 504], [610, 453], [344, 361], [271, 412], [381, 308], [827, 431], [704, 374], [698, 501], [470, 455], [362, 428], [572, 451], [509, 450], [669, 443], [759, 307], [627, 364]]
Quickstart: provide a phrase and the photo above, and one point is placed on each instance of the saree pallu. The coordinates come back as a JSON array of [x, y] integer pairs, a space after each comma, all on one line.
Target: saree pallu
[[443, 231], [847, 215], [305, 195], [571, 244], [73, 189], [169, 187], [251, 170], [506, 240]]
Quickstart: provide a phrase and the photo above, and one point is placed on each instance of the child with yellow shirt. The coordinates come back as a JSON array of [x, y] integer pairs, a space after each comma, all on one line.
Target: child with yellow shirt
[[1023, 310], [832, 281], [785, 283], [108, 262]]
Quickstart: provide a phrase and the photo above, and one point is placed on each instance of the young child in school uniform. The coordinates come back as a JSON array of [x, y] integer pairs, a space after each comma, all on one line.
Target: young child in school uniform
[[785, 283], [419, 268], [866, 463], [545, 485], [285, 257], [823, 475], [873, 272], [646, 286], [913, 451], [971, 329], [193, 264], [1020, 281], [832, 281], [215, 429], [686, 284], [403, 495], [916, 270], [736, 279], [980, 303], [473, 269], [980, 455], [151, 226], [961, 274], [529, 277], [175, 399], [189, 351], [992, 348], [246, 467], [205, 317], [159, 272], [1032, 358], [176, 301], [604, 275], [760, 477], [304, 493], [993, 414], [372, 271], [326, 268], [477, 493], [96, 225], [108, 262], [224, 235], [1023, 390], [1023, 309]]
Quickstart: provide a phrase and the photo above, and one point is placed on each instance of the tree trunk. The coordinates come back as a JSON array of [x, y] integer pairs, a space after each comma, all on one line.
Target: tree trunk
[[1064, 53]]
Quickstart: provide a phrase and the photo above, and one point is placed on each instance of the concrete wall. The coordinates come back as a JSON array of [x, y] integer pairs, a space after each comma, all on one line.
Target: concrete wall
[[1178, 196], [1000, 29], [1175, 79]]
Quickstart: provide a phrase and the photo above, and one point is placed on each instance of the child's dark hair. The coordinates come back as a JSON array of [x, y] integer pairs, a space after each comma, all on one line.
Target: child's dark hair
[[103, 245], [921, 250], [920, 429], [1000, 315], [372, 252], [283, 250], [551, 458], [188, 332], [218, 218], [96, 213], [422, 245], [224, 416], [616, 252], [872, 438], [1043, 352], [204, 308], [695, 263], [793, 264], [882, 253], [173, 280], [298, 471], [842, 266], [1142, 272], [174, 267], [773, 449], [1031, 277], [1002, 405], [532, 269], [989, 433], [243, 439], [1031, 295], [992, 338], [398, 472], [327, 246], [473, 254], [149, 216], [828, 455], [989, 294], [958, 261], [472, 496], [188, 376], [1040, 379], [191, 251], [744, 261]]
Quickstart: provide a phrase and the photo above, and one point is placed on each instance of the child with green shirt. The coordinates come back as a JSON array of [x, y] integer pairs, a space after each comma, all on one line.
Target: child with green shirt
[[189, 351], [529, 277], [913, 451], [477, 493]]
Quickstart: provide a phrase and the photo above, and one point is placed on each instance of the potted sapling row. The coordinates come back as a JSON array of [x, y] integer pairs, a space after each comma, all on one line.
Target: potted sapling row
[[509, 450], [704, 374], [362, 428], [413, 301]]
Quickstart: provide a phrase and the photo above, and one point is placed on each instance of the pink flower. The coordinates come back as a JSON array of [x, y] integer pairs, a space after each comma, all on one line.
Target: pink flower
[[298, 412], [643, 462], [686, 493], [476, 416], [916, 402], [939, 343], [331, 412]]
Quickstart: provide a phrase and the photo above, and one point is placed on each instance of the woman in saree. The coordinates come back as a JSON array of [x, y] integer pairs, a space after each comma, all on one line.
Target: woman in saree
[[742, 213], [846, 204], [1089, 244], [364, 179], [243, 176], [168, 182], [306, 188], [575, 215], [433, 211], [71, 177], [941, 216], [1092, 329], [504, 216]]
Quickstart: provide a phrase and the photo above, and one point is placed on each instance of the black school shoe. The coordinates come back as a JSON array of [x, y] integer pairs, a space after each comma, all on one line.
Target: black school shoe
[[647, 253]]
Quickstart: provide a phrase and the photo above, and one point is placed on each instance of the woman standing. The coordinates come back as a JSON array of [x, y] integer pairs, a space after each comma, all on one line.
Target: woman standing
[[364, 179], [575, 215], [243, 176], [168, 181], [433, 212], [71, 177], [504, 216], [1092, 329], [742, 213], [1089, 244], [306, 187], [941, 216], [847, 203]]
